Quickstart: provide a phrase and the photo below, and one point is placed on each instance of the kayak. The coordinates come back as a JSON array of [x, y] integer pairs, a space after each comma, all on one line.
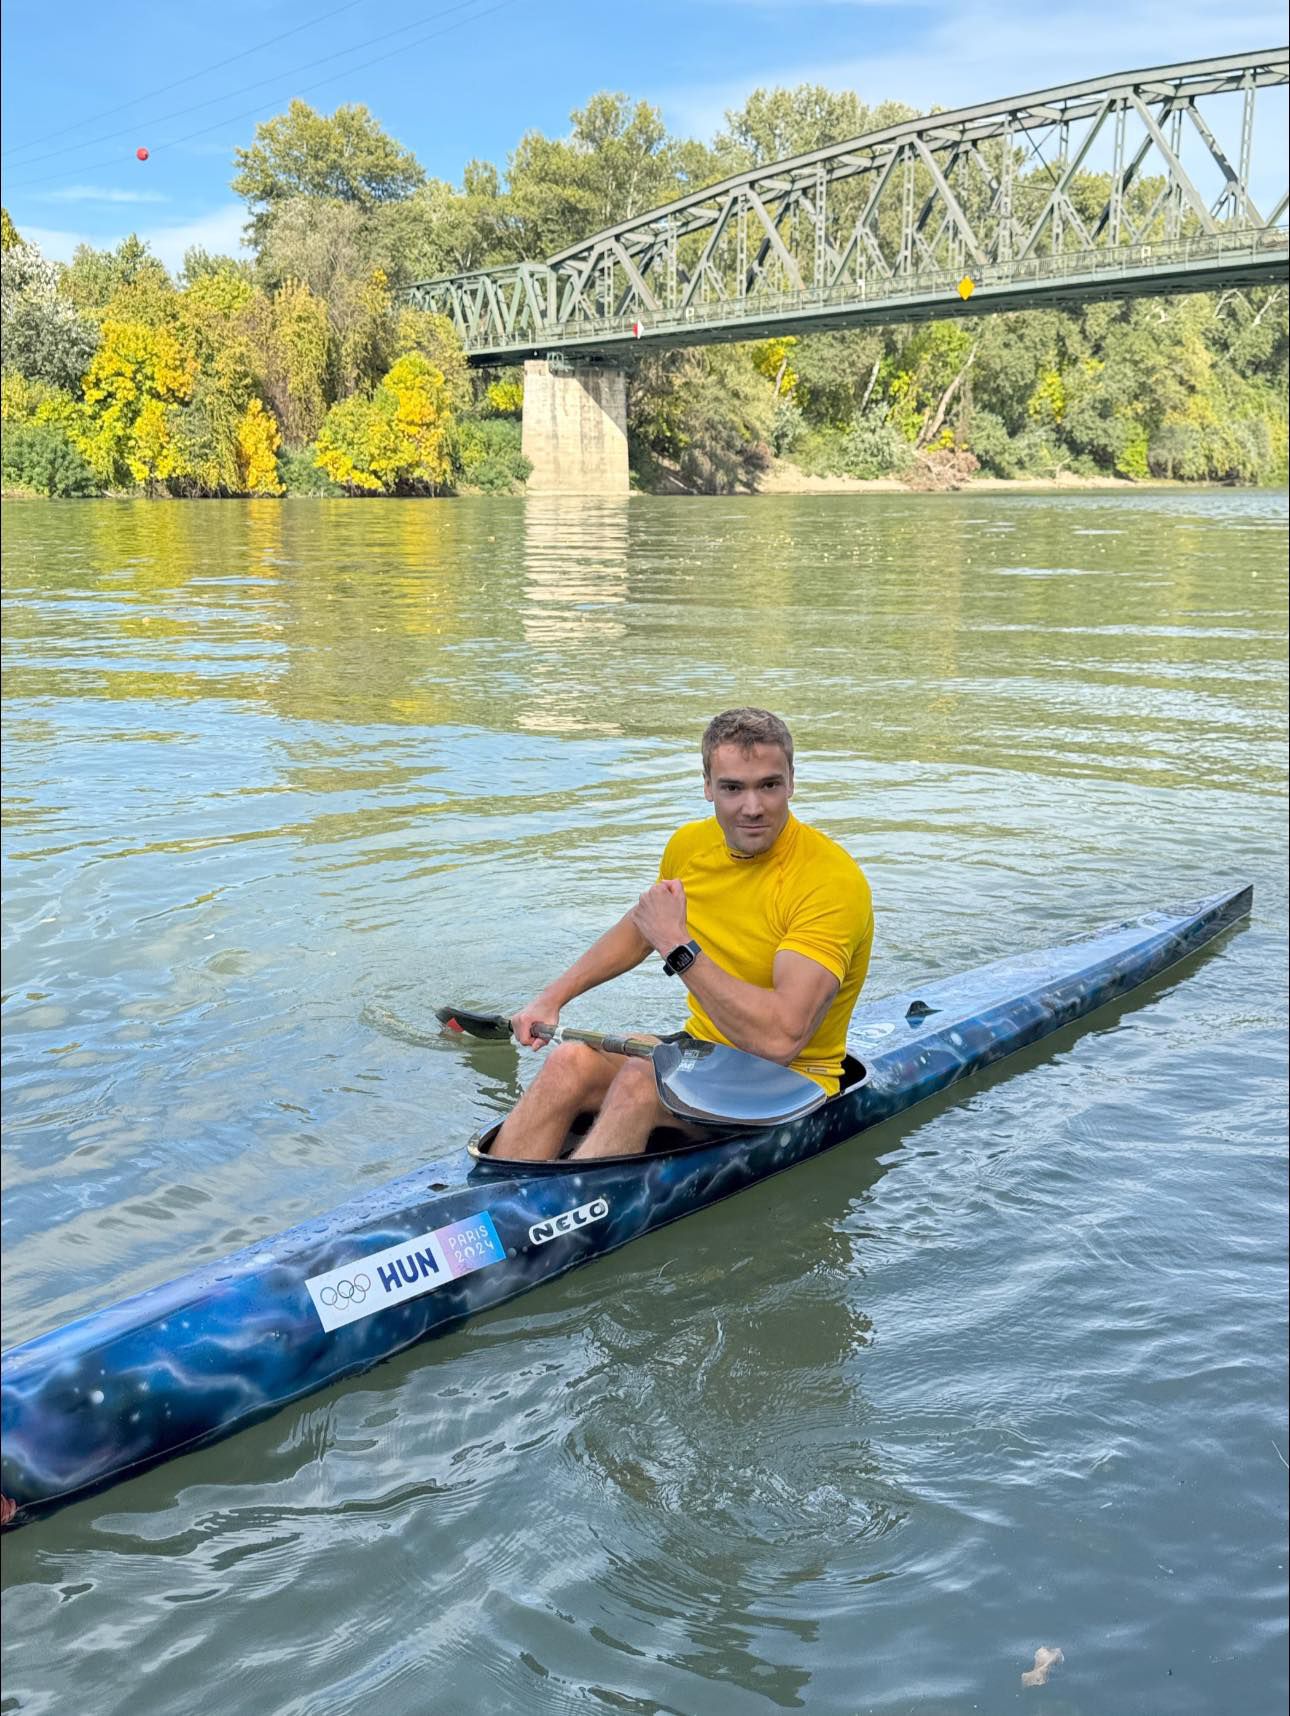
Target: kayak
[[181, 1365]]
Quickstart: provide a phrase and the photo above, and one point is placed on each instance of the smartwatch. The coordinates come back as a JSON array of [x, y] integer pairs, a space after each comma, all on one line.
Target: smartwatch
[[681, 958]]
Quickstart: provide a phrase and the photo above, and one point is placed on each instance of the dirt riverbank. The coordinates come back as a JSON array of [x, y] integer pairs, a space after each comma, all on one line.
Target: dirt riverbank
[[784, 478]]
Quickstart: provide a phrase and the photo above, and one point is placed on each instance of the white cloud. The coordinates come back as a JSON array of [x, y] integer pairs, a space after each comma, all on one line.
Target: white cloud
[[101, 194], [55, 243], [220, 231], [955, 55]]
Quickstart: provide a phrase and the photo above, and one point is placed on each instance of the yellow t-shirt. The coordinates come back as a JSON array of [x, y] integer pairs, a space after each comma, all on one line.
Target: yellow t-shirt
[[804, 894]]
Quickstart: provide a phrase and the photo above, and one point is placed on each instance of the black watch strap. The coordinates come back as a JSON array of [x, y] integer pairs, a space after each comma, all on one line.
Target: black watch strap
[[681, 958]]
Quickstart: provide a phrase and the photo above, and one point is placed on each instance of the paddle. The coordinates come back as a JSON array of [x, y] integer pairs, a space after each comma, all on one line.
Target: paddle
[[708, 1082]]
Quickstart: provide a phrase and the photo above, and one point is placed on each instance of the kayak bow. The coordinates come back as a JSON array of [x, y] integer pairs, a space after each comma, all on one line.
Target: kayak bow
[[183, 1364]]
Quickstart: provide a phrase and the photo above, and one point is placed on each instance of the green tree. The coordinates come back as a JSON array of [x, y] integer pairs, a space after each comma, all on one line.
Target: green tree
[[776, 124], [365, 318], [617, 162], [708, 410], [925, 376], [836, 375], [473, 228], [43, 457], [198, 262], [291, 333], [1014, 350], [1251, 329], [329, 247], [344, 157], [319, 240], [489, 456], [43, 336], [94, 278], [434, 232]]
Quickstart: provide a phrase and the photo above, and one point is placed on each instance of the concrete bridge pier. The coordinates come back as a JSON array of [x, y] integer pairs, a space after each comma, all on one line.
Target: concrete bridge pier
[[575, 428]]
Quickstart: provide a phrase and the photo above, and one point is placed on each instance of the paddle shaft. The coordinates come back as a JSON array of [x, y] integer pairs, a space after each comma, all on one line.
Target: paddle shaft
[[496, 1026], [611, 1042]]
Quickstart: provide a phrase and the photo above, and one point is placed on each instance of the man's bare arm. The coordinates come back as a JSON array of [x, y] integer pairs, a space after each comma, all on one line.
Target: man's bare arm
[[775, 1023], [618, 950]]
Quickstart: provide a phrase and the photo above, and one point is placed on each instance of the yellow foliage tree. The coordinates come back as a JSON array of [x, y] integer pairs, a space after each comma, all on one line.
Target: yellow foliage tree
[[1132, 458], [297, 360], [211, 321], [258, 440], [150, 300], [215, 324], [138, 372], [422, 421], [219, 295], [1047, 403], [906, 411], [438, 341], [25, 401], [16, 402], [771, 359], [152, 454], [400, 439], [506, 397], [352, 442]]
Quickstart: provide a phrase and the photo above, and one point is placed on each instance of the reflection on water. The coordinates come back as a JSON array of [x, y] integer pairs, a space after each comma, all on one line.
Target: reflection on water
[[573, 600], [1003, 1375]]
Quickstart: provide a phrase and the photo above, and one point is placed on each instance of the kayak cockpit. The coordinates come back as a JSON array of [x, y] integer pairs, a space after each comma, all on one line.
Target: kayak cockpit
[[663, 1141]]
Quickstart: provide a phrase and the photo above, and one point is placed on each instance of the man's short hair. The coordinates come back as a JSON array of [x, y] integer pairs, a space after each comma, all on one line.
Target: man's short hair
[[745, 728]]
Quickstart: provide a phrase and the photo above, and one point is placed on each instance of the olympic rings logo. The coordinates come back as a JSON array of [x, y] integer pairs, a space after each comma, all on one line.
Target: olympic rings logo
[[346, 1292]]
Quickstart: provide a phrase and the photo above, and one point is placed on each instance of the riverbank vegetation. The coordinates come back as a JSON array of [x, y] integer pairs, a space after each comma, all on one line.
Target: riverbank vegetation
[[296, 368]]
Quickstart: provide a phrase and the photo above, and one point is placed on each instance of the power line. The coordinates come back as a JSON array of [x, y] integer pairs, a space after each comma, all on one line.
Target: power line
[[243, 89], [249, 113], [178, 83]]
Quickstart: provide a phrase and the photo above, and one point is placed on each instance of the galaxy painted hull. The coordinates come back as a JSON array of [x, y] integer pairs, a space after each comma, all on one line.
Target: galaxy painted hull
[[184, 1364]]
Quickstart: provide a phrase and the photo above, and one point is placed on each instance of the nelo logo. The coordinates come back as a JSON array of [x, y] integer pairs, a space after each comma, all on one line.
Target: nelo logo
[[568, 1221]]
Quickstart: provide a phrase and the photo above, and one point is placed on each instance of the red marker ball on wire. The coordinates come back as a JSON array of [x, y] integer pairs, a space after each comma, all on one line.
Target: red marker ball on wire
[[141, 154]]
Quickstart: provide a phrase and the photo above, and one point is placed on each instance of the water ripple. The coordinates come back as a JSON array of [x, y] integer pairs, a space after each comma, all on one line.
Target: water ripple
[[1007, 1373]]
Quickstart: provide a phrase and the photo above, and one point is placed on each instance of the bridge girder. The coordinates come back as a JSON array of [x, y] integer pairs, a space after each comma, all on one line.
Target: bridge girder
[[1111, 187]]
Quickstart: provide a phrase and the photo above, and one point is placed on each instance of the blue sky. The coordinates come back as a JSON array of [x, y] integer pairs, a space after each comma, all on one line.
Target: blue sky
[[85, 84]]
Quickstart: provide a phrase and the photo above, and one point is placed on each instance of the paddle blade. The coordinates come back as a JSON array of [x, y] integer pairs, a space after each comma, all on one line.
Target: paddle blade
[[488, 1025], [720, 1085]]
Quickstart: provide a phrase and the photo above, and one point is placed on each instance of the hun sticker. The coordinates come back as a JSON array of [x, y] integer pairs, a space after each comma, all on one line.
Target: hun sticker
[[404, 1271]]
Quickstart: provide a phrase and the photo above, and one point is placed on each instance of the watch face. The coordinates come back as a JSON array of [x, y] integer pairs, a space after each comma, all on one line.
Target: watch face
[[681, 958]]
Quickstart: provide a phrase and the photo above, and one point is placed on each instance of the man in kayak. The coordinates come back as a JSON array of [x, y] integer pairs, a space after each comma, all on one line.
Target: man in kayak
[[766, 922]]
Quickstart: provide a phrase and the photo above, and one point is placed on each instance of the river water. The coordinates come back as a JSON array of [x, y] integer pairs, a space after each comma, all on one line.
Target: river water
[[1006, 1374]]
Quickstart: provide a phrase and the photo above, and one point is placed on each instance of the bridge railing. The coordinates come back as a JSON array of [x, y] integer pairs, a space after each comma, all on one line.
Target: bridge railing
[[1079, 274]]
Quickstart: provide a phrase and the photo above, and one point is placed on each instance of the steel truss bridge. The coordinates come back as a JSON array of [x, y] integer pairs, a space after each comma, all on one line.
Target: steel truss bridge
[[1115, 187]]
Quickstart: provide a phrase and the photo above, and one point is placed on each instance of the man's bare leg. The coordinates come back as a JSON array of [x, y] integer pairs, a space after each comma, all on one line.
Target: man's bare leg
[[628, 1114], [573, 1080]]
